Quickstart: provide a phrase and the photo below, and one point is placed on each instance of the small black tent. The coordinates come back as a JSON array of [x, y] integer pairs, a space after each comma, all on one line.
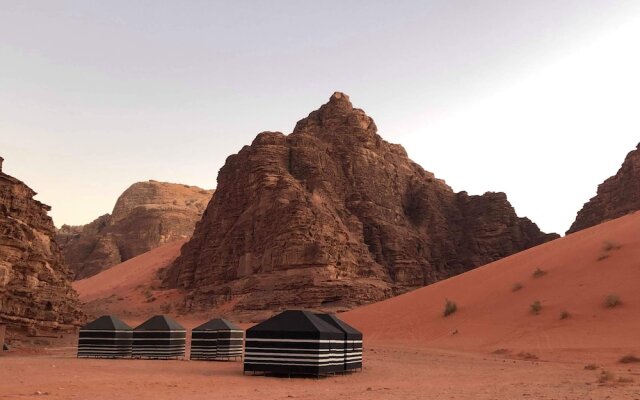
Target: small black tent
[[217, 339], [294, 342], [105, 337], [159, 337], [352, 341]]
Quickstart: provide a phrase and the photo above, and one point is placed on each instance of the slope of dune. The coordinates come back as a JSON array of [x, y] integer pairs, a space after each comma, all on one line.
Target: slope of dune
[[582, 269], [131, 288]]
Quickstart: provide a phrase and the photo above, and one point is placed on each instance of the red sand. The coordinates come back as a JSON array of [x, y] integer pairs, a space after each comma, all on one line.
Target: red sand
[[491, 315], [411, 350], [131, 289]]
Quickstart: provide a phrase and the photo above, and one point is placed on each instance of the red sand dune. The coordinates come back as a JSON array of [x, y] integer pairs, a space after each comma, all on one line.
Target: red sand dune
[[126, 289], [579, 275]]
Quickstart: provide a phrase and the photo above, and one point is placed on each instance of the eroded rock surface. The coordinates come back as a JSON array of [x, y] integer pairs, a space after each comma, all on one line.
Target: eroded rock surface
[[616, 197], [332, 216], [35, 288], [147, 215]]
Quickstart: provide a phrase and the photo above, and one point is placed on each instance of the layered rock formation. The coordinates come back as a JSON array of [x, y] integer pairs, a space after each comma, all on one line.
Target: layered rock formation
[[146, 215], [333, 216], [616, 197], [35, 288]]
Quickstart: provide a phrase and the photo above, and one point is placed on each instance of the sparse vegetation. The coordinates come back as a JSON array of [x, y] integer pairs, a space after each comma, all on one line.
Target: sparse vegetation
[[564, 314], [516, 286], [535, 307], [607, 248], [501, 351], [612, 301], [624, 379], [527, 356], [610, 246], [450, 307], [591, 367], [629, 358], [606, 376], [539, 273]]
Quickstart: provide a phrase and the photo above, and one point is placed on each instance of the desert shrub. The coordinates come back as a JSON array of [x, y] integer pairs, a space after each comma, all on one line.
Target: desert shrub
[[623, 379], [603, 256], [450, 307], [629, 358], [612, 300], [527, 356], [591, 367], [535, 307], [501, 351], [609, 246], [564, 314], [539, 273], [516, 286], [606, 376]]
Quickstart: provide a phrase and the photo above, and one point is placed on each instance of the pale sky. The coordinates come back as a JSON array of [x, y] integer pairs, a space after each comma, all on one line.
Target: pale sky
[[539, 99]]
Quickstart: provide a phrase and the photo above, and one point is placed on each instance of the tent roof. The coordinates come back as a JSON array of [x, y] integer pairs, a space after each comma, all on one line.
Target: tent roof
[[106, 323], [340, 324], [216, 324], [294, 321], [160, 323]]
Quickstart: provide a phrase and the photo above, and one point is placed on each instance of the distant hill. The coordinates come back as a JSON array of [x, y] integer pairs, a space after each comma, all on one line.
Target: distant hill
[[147, 215]]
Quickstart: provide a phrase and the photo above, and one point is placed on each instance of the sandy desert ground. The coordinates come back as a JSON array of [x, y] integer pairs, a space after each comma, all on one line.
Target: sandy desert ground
[[493, 347]]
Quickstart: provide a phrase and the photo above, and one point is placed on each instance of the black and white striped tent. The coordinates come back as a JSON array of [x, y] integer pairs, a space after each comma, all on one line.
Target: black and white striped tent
[[294, 342], [106, 337], [217, 339], [159, 337], [352, 341]]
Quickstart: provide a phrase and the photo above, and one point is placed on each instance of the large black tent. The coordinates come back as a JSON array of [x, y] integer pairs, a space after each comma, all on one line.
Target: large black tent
[[159, 337], [294, 342], [352, 341], [217, 339], [105, 337]]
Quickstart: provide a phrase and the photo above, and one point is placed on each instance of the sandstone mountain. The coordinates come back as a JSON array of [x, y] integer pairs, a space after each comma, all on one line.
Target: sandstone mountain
[[35, 287], [146, 215], [617, 196], [332, 216]]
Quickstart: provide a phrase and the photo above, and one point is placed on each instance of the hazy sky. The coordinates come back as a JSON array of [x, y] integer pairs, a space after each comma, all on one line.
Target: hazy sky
[[537, 98]]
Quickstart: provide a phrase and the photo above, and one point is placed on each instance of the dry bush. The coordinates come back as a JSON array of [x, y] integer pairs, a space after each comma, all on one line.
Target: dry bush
[[516, 286], [629, 358], [527, 356], [450, 307], [535, 307], [606, 376], [612, 300], [603, 256], [564, 314], [591, 367], [623, 379], [501, 351], [608, 245], [539, 273]]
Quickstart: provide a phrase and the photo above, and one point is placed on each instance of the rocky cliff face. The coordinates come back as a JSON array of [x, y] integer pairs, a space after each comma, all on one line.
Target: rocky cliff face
[[35, 289], [333, 216], [616, 197], [146, 215]]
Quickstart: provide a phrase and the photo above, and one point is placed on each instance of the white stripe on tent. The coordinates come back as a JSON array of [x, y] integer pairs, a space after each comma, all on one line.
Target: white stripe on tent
[[295, 340]]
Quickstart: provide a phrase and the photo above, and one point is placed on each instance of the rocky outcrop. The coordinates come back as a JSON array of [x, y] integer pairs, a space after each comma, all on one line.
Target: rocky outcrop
[[333, 216], [35, 288], [616, 197], [147, 215]]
